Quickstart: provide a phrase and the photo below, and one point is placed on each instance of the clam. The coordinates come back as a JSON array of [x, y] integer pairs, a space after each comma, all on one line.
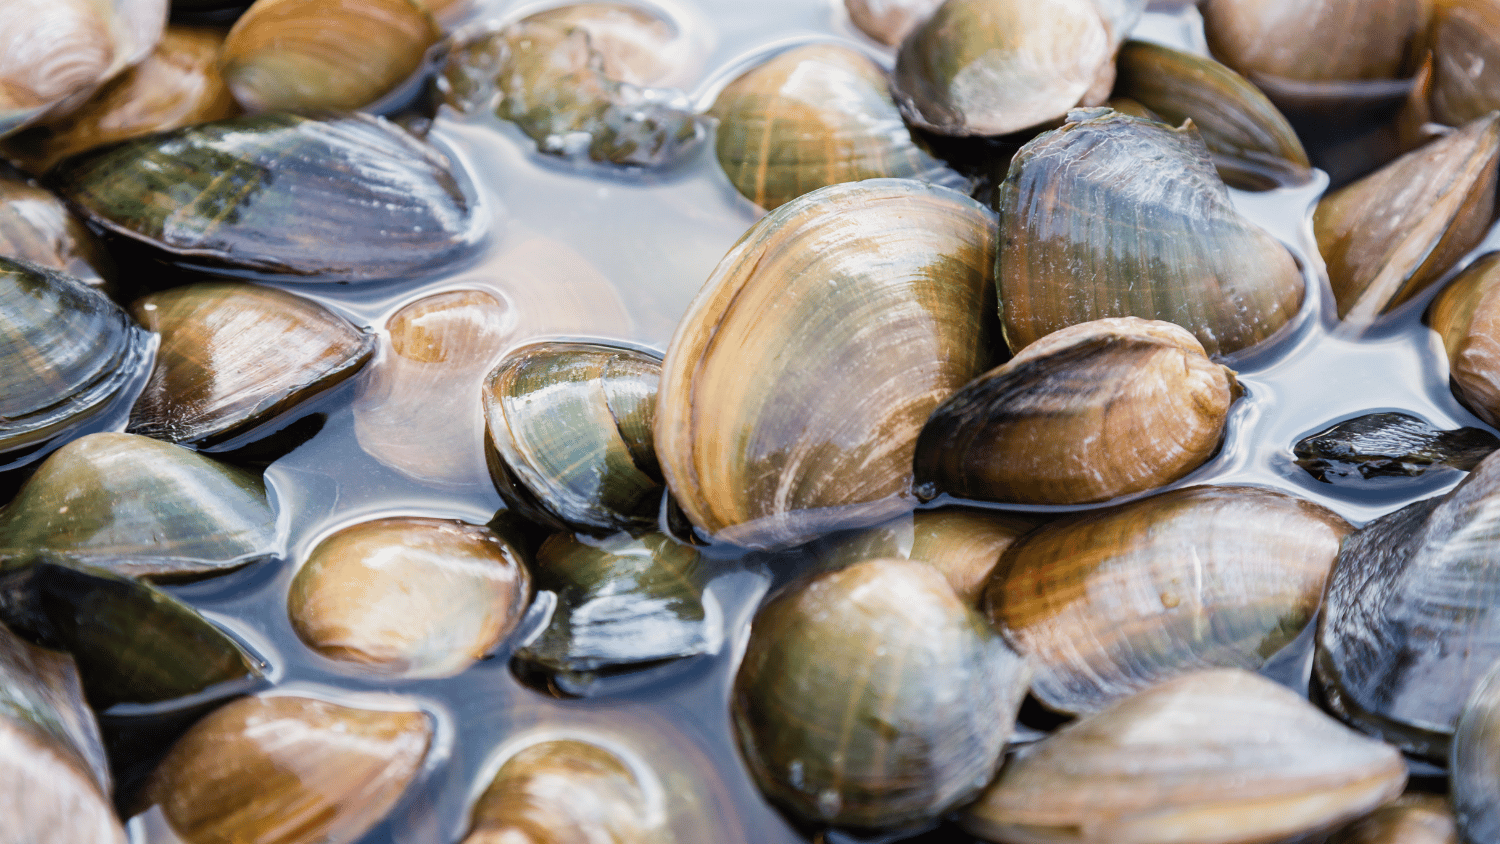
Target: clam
[[1409, 623], [177, 85], [1388, 236], [554, 791], [1089, 413], [1464, 317], [623, 604], [1474, 762], [109, 498], [1390, 444], [637, 45], [1115, 216], [822, 342], [872, 697], [285, 768], [1213, 757], [409, 596], [350, 197], [66, 353], [889, 21], [991, 67], [36, 227], [1465, 42], [1409, 819], [234, 355], [1109, 602], [568, 435], [814, 116], [55, 778], [1252, 144], [301, 54]]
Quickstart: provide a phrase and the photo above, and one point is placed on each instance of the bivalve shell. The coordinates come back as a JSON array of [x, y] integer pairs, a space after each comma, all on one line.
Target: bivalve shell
[[1409, 819], [36, 227], [1467, 317], [1474, 762], [1465, 42]]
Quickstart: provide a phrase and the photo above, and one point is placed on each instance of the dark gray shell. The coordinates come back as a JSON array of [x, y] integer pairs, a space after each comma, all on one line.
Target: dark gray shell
[[1390, 444]]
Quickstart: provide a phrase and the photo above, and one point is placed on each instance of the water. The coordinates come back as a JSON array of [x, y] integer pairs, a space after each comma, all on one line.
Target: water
[[584, 252]]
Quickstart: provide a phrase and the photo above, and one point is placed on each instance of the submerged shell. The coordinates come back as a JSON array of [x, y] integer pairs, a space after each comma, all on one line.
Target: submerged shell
[[872, 697], [66, 353], [1410, 621], [1214, 757], [1474, 762], [1110, 602], [105, 498], [814, 116], [284, 769], [815, 411], [637, 45], [1409, 819], [348, 197], [1390, 444], [1467, 317], [1115, 216], [569, 435], [36, 227], [1089, 413], [1390, 235], [409, 596]]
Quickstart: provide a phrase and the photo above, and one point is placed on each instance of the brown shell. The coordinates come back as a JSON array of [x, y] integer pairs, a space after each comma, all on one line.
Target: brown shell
[[1315, 40], [1465, 44], [1467, 317], [36, 226]]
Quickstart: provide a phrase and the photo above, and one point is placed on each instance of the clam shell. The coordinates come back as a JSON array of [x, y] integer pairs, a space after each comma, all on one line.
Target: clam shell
[[107, 497], [1388, 236], [1089, 413], [816, 412], [637, 45], [1390, 444], [889, 21], [409, 596], [1214, 757], [1314, 40], [36, 227], [1474, 762], [234, 355], [872, 697], [1465, 316], [1409, 819], [1114, 216], [814, 116], [283, 769], [346, 198], [1465, 42], [1110, 602], [66, 353]]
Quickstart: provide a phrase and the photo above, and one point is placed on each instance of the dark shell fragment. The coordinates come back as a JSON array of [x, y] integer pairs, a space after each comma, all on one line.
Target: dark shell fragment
[[1389, 444]]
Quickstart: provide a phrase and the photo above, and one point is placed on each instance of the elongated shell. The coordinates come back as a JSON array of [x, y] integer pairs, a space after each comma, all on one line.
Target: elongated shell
[[814, 116], [1214, 757], [1409, 819], [1465, 44], [1317, 41], [1474, 762], [344, 198], [287, 769], [873, 697], [1467, 317], [409, 596], [1390, 235], [1076, 244], [1410, 624], [36, 227], [66, 352], [1110, 602], [1089, 413], [816, 410], [109, 497]]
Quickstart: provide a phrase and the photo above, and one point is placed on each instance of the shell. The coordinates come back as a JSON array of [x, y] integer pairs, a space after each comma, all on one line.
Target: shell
[[1110, 602], [1312, 40], [889, 21], [1474, 762], [1390, 444], [1089, 413], [1214, 757], [1464, 315], [66, 353], [814, 116], [1465, 42], [301, 54], [568, 435], [351, 198], [815, 414], [36, 227], [638, 45], [1409, 625], [1076, 244], [1390, 235], [1409, 819], [409, 596], [839, 709], [107, 497], [284, 769]]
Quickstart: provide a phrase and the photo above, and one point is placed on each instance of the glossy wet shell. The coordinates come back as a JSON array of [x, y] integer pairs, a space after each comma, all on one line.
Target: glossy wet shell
[[37, 227], [409, 597], [1089, 413], [889, 21], [1409, 624], [1390, 445], [1390, 235], [1075, 195], [810, 117], [1474, 762], [1314, 40], [111, 497], [783, 411], [1215, 757], [835, 705], [66, 352], [1465, 44], [1409, 819], [1467, 317], [344, 198], [638, 45], [1108, 603], [569, 435], [284, 769]]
